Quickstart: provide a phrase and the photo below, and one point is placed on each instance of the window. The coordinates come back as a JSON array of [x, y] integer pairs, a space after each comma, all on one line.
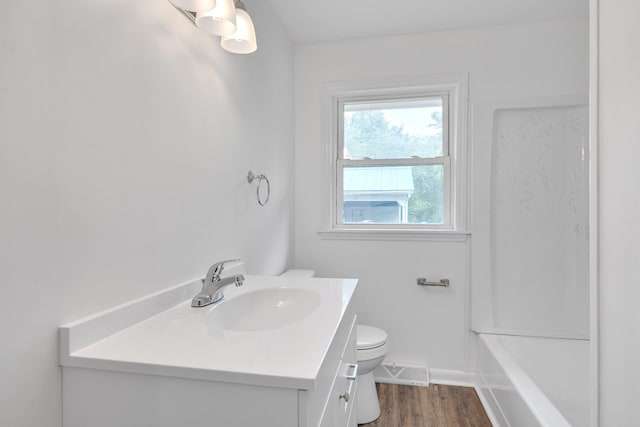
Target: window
[[395, 157]]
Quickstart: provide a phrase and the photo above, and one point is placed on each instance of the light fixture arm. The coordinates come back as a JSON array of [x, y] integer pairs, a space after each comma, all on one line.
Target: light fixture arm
[[191, 16]]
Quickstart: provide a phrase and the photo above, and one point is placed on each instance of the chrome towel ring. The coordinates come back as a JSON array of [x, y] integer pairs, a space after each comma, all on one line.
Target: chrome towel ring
[[251, 177]]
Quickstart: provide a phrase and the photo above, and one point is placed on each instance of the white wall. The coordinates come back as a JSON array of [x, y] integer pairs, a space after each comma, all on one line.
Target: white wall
[[125, 139], [619, 212], [511, 62]]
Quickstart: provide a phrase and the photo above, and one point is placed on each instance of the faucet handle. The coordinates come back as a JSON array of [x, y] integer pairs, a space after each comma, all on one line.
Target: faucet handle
[[216, 269]]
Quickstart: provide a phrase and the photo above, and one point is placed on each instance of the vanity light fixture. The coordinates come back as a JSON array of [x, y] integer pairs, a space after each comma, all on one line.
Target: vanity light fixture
[[226, 18], [219, 21], [244, 39]]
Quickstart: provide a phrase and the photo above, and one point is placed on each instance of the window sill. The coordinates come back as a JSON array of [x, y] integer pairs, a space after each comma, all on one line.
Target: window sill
[[394, 235]]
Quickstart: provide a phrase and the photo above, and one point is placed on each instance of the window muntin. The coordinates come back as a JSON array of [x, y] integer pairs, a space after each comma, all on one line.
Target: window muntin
[[393, 166]]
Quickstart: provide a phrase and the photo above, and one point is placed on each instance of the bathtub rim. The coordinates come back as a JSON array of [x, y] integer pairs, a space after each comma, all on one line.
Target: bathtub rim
[[536, 401]]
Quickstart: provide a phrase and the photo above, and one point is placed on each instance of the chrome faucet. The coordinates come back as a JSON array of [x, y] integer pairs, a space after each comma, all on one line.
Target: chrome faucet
[[213, 284]]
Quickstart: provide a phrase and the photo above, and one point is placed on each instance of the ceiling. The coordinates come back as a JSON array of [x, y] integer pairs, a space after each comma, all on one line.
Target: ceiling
[[314, 21]]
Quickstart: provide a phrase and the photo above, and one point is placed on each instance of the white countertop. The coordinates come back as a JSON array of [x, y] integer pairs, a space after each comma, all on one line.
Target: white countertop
[[177, 340]]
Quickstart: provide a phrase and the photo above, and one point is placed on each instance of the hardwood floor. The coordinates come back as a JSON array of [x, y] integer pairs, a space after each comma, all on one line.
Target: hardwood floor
[[436, 405]]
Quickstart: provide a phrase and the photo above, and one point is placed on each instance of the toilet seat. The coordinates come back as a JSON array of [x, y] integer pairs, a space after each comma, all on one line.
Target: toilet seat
[[369, 337]]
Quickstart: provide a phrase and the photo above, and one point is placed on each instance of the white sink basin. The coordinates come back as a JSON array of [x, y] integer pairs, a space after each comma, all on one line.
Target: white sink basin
[[263, 309], [273, 331]]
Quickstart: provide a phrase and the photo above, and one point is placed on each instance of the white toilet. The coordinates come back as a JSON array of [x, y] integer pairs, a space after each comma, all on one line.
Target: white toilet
[[371, 349]]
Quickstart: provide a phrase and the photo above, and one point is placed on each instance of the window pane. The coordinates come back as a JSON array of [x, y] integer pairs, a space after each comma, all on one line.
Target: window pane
[[393, 129], [393, 194]]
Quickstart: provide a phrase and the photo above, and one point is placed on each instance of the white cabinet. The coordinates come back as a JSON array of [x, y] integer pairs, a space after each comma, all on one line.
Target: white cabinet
[[101, 398], [341, 403], [102, 390], [336, 394]]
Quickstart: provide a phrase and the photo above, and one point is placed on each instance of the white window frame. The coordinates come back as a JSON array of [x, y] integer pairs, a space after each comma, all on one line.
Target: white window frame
[[453, 88]]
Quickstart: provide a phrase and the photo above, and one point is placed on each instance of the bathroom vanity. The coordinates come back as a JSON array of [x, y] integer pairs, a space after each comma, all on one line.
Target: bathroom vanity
[[277, 352]]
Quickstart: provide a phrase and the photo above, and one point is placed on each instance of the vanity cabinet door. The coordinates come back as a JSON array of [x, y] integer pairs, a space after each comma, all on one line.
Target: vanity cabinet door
[[349, 384], [339, 411]]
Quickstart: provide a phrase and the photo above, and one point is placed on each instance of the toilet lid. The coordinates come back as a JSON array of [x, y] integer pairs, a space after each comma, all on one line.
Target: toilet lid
[[370, 337]]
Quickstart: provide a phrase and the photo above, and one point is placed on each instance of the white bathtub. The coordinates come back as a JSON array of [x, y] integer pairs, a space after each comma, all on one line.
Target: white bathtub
[[530, 381]]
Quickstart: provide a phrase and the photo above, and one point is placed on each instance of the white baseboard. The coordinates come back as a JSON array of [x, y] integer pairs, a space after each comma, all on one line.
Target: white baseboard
[[401, 373], [450, 377]]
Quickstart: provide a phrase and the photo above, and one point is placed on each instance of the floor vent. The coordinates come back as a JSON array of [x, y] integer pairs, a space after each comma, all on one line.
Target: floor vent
[[397, 373]]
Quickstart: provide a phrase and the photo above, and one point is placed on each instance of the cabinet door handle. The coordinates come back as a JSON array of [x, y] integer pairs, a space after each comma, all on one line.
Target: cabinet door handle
[[353, 367], [345, 396]]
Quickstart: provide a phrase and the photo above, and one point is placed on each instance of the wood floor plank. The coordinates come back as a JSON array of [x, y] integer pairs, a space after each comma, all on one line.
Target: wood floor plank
[[434, 406]]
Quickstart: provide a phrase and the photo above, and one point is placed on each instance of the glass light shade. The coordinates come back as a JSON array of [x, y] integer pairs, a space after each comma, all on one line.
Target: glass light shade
[[194, 5], [219, 21], [244, 39]]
